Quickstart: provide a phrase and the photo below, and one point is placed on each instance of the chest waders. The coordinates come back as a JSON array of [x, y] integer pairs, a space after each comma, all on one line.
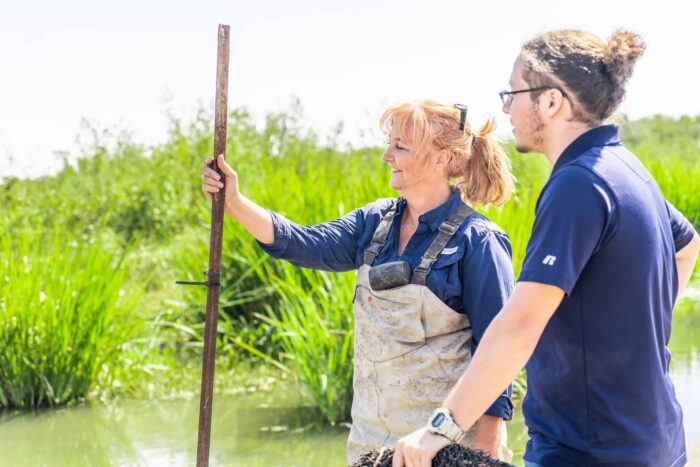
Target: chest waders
[[410, 348]]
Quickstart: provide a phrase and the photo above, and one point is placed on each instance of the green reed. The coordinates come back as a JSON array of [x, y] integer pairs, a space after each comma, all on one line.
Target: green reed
[[310, 313], [295, 319], [315, 324], [64, 315]]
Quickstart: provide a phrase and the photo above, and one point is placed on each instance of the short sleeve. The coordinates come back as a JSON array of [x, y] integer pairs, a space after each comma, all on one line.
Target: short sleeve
[[573, 214], [683, 231]]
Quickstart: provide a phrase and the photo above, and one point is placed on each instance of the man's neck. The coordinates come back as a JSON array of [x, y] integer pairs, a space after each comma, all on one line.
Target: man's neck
[[560, 137]]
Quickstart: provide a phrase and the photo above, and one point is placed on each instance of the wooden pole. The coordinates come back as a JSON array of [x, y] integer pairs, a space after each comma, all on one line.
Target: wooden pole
[[214, 273]]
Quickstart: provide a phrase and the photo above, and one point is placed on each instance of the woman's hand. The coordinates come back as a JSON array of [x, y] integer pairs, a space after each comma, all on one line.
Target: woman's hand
[[212, 183], [255, 219], [490, 436], [492, 449]]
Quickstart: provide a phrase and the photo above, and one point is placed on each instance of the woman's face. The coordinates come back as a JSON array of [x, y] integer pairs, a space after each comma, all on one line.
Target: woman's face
[[401, 158]]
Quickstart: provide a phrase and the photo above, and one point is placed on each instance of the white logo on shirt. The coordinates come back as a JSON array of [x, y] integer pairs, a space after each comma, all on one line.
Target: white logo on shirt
[[449, 251], [549, 260]]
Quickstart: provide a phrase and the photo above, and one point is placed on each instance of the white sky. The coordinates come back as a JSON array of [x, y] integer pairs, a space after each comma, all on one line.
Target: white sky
[[114, 62]]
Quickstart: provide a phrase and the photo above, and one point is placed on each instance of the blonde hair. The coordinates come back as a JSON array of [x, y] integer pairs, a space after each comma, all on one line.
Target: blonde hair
[[478, 163], [594, 71]]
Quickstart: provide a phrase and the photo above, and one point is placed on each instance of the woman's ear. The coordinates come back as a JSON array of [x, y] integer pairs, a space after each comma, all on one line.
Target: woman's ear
[[443, 158]]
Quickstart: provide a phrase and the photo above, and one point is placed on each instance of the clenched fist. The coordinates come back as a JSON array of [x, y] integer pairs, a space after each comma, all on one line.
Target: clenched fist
[[212, 183]]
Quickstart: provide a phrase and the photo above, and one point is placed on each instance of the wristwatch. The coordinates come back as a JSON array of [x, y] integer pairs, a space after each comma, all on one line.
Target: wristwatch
[[441, 423]]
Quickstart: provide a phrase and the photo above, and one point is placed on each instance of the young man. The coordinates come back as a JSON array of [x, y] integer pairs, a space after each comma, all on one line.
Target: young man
[[608, 256]]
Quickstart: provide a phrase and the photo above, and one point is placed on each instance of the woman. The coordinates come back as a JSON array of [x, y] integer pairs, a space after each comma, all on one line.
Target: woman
[[412, 342]]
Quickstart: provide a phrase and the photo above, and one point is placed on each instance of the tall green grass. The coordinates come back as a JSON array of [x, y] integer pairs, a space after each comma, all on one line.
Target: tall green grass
[[63, 316], [670, 149], [309, 313], [150, 198], [315, 325], [305, 316]]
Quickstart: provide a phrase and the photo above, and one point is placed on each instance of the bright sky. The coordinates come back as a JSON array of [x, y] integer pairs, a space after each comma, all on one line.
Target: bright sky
[[346, 61]]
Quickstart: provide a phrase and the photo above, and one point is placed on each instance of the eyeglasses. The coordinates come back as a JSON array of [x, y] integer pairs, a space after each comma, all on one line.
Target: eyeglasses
[[507, 96]]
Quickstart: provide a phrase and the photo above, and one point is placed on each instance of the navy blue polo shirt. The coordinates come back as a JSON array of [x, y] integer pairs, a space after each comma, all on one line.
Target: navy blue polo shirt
[[473, 275], [599, 391]]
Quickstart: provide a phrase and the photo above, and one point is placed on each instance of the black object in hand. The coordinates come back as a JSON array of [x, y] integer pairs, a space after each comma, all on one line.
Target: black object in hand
[[454, 455]]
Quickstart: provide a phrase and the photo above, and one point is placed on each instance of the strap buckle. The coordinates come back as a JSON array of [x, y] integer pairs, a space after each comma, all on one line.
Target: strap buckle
[[425, 265], [448, 227]]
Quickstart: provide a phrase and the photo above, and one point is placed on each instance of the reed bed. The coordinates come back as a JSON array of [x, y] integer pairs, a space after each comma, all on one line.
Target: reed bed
[[64, 315], [68, 303]]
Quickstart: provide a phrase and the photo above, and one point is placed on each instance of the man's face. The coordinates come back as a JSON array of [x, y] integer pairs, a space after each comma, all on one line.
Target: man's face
[[528, 126]]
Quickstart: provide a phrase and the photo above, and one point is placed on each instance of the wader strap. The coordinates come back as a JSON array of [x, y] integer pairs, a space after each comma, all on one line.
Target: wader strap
[[446, 231], [380, 235]]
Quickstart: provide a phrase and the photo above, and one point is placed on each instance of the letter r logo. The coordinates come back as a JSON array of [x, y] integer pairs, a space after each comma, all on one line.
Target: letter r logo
[[549, 260]]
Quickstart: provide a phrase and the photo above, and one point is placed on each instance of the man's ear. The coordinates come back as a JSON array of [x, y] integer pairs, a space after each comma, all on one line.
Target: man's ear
[[552, 102]]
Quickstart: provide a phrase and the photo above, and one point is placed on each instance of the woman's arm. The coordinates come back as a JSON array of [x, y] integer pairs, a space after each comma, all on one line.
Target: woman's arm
[[488, 435], [330, 246], [487, 275], [255, 219]]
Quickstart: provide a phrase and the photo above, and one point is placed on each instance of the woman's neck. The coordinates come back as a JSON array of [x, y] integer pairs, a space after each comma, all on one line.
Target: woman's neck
[[418, 203]]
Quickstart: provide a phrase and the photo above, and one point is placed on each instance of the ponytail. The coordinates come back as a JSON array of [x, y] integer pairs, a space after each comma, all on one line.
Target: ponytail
[[478, 163], [621, 54], [483, 171]]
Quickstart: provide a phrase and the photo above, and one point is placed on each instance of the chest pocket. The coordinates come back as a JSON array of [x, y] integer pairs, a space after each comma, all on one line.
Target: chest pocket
[[388, 322], [444, 279]]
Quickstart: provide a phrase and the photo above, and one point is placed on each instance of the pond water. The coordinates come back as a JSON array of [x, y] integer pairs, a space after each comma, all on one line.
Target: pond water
[[252, 429]]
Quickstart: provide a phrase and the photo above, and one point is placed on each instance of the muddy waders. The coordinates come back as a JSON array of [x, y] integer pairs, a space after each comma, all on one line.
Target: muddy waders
[[410, 349]]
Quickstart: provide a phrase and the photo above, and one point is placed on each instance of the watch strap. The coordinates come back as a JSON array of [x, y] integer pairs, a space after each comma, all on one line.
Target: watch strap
[[448, 428]]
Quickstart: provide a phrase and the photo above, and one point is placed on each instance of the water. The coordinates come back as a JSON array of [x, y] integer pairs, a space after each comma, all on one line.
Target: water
[[258, 429], [247, 430]]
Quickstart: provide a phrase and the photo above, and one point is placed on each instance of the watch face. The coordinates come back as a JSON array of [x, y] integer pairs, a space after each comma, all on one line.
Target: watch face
[[437, 421]]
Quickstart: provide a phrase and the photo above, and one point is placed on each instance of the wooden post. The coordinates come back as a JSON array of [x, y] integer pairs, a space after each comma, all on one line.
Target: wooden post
[[214, 273]]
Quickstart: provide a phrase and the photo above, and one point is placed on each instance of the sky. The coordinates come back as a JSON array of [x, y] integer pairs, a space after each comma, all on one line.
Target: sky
[[127, 64]]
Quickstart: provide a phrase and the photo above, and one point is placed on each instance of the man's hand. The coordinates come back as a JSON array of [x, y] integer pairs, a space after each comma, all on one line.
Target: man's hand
[[418, 449]]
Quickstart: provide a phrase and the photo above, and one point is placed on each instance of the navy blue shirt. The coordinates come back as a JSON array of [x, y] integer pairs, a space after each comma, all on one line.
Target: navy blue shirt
[[473, 275], [599, 391]]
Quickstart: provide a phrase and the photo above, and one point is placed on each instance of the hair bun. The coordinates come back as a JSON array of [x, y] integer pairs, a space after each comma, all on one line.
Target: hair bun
[[621, 53]]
